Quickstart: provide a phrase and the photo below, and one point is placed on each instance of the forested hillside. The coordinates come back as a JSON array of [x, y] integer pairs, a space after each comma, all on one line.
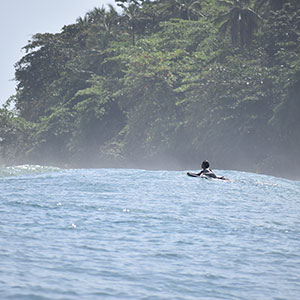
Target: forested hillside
[[162, 84]]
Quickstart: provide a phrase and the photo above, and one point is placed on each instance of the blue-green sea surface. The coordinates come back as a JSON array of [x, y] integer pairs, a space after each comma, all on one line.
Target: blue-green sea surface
[[134, 234]]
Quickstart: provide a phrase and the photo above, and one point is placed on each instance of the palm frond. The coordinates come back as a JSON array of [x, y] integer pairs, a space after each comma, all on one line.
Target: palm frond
[[254, 15], [226, 3], [259, 4], [222, 18]]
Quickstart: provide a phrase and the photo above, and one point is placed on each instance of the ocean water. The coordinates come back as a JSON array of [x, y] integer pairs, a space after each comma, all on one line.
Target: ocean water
[[136, 234]]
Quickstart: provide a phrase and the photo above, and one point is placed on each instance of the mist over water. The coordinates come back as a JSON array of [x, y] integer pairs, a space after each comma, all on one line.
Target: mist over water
[[137, 234]]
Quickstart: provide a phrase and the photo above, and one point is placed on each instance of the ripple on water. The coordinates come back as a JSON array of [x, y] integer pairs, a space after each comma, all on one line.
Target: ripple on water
[[135, 234]]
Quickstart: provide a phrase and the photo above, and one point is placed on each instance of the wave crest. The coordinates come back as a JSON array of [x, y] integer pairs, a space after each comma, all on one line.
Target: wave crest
[[26, 170]]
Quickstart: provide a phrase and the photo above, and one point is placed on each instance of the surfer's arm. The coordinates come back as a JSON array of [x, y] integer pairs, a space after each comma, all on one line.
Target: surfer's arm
[[212, 174]]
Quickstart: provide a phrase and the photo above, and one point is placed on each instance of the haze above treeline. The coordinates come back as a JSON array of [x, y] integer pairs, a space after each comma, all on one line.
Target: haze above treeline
[[162, 85]]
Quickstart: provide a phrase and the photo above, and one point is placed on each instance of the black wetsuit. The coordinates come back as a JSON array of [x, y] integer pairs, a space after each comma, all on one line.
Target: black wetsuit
[[208, 172]]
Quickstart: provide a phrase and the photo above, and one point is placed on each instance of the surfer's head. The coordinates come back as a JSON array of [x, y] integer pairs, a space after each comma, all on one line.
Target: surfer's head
[[205, 164]]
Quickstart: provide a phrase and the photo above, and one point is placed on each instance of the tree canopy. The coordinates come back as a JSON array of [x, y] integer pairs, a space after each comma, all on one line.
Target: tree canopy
[[162, 84]]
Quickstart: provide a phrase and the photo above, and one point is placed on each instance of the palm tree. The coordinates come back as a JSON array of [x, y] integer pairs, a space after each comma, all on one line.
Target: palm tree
[[102, 20], [92, 16], [240, 20], [131, 14], [109, 21], [183, 9]]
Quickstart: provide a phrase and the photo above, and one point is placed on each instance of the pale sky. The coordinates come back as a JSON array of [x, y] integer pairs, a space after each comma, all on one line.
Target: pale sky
[[21, 19]]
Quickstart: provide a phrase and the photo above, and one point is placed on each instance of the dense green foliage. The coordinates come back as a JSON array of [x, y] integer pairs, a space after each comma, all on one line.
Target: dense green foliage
[[163, 84]]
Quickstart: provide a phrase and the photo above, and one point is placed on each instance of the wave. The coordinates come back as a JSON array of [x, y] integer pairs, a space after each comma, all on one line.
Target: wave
[[25, 170]]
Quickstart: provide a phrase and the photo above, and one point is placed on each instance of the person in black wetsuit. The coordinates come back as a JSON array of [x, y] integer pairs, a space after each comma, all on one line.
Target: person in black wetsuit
[[206, 170]]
